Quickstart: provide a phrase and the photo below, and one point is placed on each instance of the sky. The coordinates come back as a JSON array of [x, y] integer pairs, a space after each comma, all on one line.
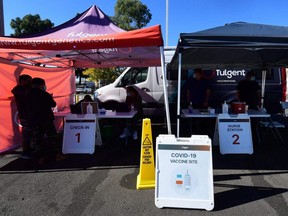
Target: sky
[[184, 16]]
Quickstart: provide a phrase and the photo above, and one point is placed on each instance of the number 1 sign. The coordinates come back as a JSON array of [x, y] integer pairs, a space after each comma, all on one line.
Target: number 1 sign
[[79, 134], [235, 134]]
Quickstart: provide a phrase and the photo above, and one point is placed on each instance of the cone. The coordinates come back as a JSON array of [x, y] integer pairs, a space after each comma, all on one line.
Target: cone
[[146, 177]]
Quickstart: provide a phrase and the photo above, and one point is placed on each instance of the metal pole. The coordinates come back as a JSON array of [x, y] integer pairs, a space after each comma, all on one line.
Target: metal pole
[[179, 92], [1, 19], [165, 90], [263, 87]]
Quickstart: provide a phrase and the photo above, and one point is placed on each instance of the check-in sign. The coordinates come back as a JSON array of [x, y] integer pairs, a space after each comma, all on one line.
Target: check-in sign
[[79, 134]]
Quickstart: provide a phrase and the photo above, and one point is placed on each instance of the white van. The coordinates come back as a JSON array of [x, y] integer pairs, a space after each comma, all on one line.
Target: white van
[[149, 83]]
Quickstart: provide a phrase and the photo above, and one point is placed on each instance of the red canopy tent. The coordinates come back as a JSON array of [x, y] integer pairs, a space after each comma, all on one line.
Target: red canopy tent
[[59, 81], [89, 40]]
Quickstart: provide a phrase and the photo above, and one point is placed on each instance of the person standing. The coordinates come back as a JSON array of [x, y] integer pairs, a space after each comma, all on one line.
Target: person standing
[[133, 102], [198, 93], [199, 90], [41, 119], [248, 90], [19, 92]]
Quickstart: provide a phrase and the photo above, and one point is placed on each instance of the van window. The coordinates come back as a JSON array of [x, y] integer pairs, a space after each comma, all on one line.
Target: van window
[[141, 76], [134, 76], [272, 75]]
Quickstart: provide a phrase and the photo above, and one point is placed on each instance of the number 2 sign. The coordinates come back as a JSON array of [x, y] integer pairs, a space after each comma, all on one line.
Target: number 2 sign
[[235, 134], [79, 134]]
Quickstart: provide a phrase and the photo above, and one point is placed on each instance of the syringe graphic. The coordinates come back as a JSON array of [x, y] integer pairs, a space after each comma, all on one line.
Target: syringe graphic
[[187, 181]]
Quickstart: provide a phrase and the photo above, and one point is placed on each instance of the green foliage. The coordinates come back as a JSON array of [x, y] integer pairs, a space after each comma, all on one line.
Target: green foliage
[[106, 75], [131, 14], [29, 24]]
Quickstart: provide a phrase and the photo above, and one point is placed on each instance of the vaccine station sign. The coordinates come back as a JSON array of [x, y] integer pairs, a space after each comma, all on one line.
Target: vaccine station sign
[[184, 173], [235, 135]]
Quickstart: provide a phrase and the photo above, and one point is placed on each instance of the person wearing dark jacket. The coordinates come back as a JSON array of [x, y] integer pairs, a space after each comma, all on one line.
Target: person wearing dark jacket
[[248, 91], [19, 92], [199, 90], [41, 120]]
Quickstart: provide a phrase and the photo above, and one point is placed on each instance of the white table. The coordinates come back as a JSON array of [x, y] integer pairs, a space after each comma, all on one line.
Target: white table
[[197, 114], [251, 113], [62, 113], [109, 114], [118, 115]]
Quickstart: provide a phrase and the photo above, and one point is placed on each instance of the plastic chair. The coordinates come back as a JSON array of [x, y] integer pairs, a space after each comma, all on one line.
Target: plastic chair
[[284, 106], [277, 122]]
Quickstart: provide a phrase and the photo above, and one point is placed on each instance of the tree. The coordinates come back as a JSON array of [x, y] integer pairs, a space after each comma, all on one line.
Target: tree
[[106, 75], [29, 24], [131, 14], [79, 74]]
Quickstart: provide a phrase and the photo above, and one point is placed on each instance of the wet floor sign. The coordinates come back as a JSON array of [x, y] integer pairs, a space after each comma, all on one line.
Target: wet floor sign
[[146, 177]]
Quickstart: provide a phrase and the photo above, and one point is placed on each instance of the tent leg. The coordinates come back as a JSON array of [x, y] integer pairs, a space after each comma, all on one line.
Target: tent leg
[[165, 90]]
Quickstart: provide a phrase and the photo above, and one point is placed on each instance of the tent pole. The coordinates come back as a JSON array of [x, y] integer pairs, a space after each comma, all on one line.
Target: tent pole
[[165, 90], [179, 93], [263, 87]]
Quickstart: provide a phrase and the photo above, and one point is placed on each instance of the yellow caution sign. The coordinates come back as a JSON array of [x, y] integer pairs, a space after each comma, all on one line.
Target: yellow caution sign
[[146, 177]]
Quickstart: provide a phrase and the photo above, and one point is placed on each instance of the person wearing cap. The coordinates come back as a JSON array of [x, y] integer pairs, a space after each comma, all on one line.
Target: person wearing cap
[[248, 91]]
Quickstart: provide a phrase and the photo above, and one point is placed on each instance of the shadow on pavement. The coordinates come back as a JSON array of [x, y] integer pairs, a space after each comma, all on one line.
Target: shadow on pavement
[[112, 155], [116, 152], [239, 195], [268, 159]]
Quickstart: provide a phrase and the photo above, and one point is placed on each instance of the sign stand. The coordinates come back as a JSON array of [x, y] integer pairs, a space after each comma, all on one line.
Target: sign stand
[[98, 134], [146, 177], [79, 134], [184, 172], [235, 135]]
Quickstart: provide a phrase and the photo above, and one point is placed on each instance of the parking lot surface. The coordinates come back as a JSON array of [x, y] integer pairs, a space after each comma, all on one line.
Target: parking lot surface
[[104, 183]]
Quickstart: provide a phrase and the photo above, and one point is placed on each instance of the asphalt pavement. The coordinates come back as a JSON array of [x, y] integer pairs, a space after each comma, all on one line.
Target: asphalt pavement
[[104, 183]]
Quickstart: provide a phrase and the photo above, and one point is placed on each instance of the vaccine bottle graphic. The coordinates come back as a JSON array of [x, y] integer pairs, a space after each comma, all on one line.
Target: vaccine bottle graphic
[[179, 181], [187, 181]]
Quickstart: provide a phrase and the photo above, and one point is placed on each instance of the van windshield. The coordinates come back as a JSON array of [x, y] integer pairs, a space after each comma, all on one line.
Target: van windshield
[[133, 76]]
